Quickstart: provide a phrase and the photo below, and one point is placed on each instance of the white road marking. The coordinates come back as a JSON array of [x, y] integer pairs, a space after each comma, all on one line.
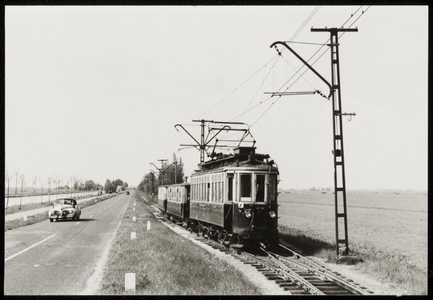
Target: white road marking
[[77, 223], [91, 216], [94, 281], [34, 245]]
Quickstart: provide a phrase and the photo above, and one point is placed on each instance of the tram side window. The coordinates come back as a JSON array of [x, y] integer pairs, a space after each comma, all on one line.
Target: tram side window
[[245, 187], [260, 188], [230, 187]]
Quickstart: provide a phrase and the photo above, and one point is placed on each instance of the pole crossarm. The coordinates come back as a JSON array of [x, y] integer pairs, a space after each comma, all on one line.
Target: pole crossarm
[[155, 167], [165, 170], [154, 172], [305, 63], [175, 126], [226, 127], [333, 29], [290, 93]]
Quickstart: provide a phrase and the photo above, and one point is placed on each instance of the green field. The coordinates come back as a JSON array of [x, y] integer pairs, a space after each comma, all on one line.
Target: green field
[[387, 224]]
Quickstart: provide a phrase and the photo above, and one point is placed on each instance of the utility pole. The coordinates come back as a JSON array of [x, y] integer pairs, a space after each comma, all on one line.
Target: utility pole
[[202, 145], [339, 170], [161, 170], [162, 161], [16, 182], [204, 142], [175, 172], [338, 152]]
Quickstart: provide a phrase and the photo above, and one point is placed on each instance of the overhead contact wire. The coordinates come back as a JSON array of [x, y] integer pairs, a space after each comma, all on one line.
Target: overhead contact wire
[[276, 56], [270, 70], [305, 23], [303, 66], [311, 64]]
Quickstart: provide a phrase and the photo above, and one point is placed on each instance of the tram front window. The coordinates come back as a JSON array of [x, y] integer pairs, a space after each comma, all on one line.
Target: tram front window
[[272, 187], [245, 187], [260, 188]]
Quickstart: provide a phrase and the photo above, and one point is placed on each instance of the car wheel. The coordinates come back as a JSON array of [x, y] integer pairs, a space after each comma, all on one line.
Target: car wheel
[[51, 219]]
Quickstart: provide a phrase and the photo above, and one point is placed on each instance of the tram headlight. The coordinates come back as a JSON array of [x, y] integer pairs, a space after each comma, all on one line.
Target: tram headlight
[[248, 213], [272, 214]]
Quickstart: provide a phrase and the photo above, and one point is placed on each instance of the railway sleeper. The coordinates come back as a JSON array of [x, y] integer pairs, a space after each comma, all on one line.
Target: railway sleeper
[[273, 277], [320, 283], [310, 278], [288, 283], [295, 290], [263, 269], [338, 292], [331, 288]]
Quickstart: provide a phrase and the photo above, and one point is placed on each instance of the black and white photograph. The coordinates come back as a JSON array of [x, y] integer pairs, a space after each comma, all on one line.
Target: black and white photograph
[[199, 150]]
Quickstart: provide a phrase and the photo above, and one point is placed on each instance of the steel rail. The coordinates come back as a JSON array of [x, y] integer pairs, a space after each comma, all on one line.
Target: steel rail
[[286, 273], [322, 272]]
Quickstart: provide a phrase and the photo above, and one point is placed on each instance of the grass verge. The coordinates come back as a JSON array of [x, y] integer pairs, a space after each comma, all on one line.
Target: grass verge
[[16, 208], [13, 224], [385, 267], [166, 263]]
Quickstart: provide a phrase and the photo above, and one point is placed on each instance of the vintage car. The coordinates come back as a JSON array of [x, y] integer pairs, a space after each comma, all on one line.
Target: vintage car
[[63, 209]]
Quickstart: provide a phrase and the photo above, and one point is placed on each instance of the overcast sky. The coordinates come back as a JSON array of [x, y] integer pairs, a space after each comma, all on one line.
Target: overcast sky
[[95, 92]]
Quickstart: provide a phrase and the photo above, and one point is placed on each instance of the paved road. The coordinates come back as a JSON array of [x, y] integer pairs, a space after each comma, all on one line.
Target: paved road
[[59, 258]]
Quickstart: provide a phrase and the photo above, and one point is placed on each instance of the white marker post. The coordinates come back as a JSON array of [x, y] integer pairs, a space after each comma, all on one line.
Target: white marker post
[[133, 235], [133, 208], [148, 225], [134, 219], [25, 218], [130, 282], [134, 204]]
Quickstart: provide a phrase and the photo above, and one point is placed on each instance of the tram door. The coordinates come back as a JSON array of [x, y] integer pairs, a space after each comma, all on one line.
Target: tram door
[[187, 196]]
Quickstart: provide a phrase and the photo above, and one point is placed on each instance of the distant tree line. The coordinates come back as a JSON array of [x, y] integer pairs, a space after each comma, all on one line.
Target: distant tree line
[[18, 185], [112, 185], [169, 173]]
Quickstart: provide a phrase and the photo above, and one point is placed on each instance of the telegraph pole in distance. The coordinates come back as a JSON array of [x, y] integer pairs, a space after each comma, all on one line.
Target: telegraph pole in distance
[[339, 172], [162, 171]]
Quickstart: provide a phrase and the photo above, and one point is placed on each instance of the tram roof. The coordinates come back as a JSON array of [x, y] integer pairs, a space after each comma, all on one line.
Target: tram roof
[[243, 157]]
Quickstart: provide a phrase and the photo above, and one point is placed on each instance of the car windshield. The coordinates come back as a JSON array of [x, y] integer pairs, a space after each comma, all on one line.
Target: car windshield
[[64, 201]]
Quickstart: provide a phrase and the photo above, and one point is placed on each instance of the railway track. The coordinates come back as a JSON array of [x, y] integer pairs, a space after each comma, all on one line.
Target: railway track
[[289, 269]]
